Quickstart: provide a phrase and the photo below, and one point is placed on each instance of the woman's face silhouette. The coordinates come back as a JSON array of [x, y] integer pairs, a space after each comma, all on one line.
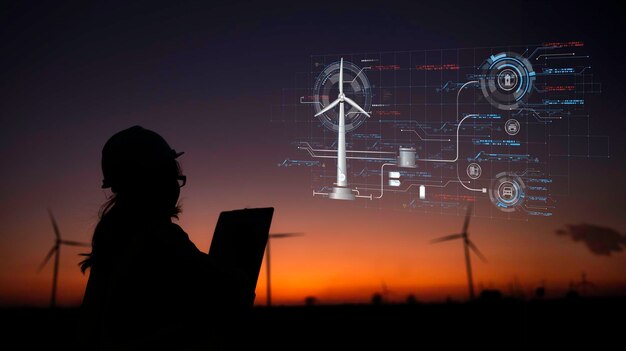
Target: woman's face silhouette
[[173, 192], [161, 189]]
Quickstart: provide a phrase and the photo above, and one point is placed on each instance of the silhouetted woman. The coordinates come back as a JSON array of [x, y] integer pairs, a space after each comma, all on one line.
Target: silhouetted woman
[[148, 283]]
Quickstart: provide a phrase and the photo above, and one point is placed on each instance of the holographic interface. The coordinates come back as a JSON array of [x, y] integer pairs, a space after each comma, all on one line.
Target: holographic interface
[[430, 130]]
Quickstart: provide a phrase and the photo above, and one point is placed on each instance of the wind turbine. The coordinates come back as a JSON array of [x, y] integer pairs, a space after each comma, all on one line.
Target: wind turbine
[[341, 190], [384, 292], [56, 251], [467, 245], [584, 283], [267, 261]]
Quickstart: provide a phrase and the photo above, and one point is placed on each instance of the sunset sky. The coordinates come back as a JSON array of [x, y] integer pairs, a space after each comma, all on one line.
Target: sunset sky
[[205, 77]]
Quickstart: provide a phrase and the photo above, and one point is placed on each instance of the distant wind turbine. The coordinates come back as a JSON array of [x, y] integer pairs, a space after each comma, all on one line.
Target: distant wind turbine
[[584, 283], [267, 261], [467, 245], [56, 251], [384, 292]]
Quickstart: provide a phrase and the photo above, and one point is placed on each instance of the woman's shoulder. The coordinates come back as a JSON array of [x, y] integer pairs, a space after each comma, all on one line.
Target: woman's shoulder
[[176, 230], [165, 237], [171, 233], [176, 243]]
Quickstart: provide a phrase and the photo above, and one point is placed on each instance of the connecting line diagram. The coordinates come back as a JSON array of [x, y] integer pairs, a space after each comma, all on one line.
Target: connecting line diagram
[[379, 126]]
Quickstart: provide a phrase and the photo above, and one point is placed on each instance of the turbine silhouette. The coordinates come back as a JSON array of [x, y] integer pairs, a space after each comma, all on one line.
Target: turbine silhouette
[[467, 245], [56, 251], [267, 261], [584, 283]]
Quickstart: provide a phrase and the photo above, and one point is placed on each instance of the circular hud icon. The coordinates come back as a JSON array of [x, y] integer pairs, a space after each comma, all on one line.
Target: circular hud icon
[[506, 80], [507, 192]]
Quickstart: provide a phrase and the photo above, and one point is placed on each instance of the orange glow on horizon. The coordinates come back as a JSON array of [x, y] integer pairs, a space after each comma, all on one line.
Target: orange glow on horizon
[[334, 267]]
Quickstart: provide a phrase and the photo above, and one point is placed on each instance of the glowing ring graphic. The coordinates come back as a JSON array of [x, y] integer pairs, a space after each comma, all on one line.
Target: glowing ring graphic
[[507, 192], [507, 80]]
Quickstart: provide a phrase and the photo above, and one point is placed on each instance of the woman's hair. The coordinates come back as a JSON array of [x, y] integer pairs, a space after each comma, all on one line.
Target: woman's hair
[[109, 215], [104, 212]]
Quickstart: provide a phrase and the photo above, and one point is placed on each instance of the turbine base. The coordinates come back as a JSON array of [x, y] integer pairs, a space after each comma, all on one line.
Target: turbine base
[[341, 193]]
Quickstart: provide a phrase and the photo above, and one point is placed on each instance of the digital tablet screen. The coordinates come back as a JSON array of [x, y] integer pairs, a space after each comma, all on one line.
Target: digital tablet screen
[[239, 240]]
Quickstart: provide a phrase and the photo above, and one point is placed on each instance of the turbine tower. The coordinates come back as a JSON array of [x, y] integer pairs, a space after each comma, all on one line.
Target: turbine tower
[[267, 261], [56, 251], [467, 245], [341, 191], [584, 283]]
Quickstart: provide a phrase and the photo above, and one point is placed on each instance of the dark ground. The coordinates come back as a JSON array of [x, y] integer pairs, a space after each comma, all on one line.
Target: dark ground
[[502, 324]]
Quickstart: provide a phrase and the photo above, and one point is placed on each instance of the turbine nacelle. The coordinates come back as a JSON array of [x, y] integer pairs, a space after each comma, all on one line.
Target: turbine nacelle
[[340, 100]]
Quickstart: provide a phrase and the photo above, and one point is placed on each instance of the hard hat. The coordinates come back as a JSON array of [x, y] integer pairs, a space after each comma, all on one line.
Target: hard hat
[[134, 155]]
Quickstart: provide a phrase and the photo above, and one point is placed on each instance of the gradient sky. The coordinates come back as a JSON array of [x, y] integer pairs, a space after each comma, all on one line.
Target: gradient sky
[[205, 77]]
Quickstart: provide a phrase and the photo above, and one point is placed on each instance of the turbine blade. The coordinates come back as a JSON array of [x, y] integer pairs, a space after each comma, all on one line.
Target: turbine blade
[[74, 243], [356, 106], [468, 215], [284, 235], [45, 260], [476, 251], [447, 238], [54, 225], [341, 77], [327, 108]]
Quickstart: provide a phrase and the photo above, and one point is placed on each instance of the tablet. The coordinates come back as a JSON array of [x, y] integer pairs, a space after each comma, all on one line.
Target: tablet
[[239, 240]]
